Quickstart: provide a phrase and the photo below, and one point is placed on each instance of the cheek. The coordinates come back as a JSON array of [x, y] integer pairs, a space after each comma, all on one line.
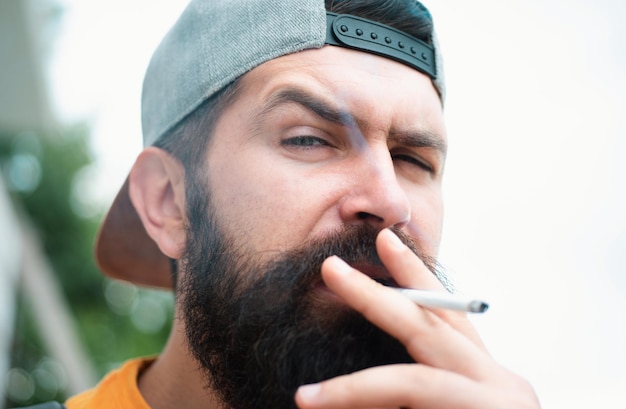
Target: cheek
[[270, 209], [427, 220]]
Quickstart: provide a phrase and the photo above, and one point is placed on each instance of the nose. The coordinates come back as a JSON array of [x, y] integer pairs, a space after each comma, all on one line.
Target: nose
[[375, 195]]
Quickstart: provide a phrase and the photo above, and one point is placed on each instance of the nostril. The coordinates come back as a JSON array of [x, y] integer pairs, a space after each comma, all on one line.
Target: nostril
[[368, 216]]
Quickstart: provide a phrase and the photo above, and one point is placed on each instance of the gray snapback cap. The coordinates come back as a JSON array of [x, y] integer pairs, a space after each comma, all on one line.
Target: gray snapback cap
[[213, 43], [216, 41]]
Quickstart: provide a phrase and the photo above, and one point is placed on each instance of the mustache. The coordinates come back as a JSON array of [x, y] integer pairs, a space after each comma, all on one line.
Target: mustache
[[297, 270]]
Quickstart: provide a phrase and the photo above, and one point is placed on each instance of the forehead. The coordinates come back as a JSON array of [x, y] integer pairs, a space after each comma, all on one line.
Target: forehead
[[377, 92]]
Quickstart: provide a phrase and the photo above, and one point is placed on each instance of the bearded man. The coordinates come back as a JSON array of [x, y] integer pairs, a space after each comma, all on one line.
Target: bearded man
[[292, 174]]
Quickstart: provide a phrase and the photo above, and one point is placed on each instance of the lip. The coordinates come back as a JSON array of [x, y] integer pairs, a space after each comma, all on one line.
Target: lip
[[376, 273], [323, 297]]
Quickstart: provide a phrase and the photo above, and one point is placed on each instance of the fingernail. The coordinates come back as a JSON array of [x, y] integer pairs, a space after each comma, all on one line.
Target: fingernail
[[394, 240], [340, 265], [309, 392]]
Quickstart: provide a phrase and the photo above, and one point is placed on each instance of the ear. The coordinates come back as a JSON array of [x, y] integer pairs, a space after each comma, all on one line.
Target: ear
[[157, 191]]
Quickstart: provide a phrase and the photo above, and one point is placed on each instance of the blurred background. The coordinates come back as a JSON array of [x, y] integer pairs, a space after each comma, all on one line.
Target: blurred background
[[535, 189]]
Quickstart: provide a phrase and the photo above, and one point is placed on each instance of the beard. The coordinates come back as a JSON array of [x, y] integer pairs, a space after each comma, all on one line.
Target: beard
[[259, 330]]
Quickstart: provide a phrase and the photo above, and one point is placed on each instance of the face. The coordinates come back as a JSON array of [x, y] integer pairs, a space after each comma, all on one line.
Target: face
[[304, 165], [327, 138]]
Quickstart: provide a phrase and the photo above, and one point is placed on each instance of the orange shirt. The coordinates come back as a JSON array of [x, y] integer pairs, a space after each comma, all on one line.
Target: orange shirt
[[118, 390]]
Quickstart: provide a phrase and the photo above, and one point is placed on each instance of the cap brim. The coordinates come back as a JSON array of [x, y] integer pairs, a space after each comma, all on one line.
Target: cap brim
[[124, 250]]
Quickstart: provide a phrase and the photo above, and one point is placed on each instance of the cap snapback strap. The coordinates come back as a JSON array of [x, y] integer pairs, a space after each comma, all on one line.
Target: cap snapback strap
[[348, 31]]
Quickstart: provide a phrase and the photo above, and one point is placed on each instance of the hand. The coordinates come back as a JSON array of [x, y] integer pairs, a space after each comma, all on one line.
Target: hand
[[453, 370]]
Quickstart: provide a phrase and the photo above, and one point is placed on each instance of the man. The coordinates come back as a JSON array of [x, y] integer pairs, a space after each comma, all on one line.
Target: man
[[292, 175]]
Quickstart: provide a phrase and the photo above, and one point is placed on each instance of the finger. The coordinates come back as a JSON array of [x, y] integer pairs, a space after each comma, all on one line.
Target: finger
[[407, 385], [428, 338], [407, 268], [409, 271]]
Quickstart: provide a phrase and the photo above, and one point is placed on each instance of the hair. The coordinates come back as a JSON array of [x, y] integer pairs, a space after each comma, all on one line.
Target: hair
[[189, 140]]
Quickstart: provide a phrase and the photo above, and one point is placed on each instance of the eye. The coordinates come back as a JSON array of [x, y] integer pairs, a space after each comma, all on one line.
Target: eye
[[306, 141], [412, 160]]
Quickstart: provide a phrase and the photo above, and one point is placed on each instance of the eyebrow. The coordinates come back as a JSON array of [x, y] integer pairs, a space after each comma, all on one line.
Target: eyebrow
[[414, 138], [420, 139], [310, 102]]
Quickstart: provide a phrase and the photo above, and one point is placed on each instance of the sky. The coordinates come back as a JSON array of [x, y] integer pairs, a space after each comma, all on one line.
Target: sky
[[535, 184]]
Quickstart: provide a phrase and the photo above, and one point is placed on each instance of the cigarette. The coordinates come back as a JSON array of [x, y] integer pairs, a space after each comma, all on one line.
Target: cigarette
[[437, 299]]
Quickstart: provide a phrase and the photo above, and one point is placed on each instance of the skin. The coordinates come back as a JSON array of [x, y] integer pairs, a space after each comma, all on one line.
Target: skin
[[298, 192], [282, 171]]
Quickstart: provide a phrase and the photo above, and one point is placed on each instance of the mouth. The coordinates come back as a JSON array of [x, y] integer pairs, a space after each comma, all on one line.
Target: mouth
[[322, 296], [376, 273]]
